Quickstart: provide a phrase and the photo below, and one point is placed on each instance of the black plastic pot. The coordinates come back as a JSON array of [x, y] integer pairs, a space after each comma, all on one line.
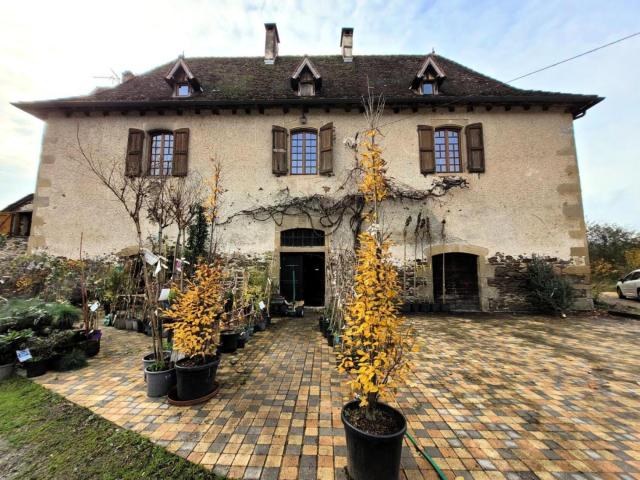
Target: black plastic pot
[[198, 381], [35, 368], [437, 307], [330, 339], [91, 348], [267, 319], [228, 342], [446, 308], [261, 326], [242, 341], [370, 456], [405, 307], [320, 321]]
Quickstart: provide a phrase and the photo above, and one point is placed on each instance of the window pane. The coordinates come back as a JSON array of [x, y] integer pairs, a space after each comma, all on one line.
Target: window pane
[[304, 153], [427, 88], [447, 151], [183, 90]]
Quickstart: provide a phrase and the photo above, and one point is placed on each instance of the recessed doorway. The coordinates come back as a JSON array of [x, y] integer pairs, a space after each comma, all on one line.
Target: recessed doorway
[[460, 281], [302, 277]]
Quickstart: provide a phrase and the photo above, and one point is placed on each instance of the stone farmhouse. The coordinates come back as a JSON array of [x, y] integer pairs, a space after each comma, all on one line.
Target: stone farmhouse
[[488, 170]]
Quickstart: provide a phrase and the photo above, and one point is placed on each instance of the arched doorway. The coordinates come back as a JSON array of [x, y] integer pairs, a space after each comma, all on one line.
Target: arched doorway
[[461, 285], [302, 265]]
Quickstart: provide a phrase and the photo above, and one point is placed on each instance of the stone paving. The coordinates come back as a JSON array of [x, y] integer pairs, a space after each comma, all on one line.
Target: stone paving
[[514, 397]]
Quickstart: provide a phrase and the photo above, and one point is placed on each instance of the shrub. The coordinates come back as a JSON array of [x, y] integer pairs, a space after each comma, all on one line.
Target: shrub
[[73, 360], [63, 315], [197, 314], [19, 314], [9, 344], [548, 291], [3, 240]]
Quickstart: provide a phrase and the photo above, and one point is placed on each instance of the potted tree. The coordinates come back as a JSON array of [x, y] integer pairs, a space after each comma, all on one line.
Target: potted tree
[[373, 344], [197, 314], [8, 345]]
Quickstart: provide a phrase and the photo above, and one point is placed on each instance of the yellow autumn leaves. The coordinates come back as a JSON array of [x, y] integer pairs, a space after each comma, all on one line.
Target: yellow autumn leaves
[[197, 313], [373, 343]]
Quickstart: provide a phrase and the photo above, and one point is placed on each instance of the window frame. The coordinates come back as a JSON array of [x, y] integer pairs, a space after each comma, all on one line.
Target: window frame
[[153, 134], [177, 89], [434, 88], [447, 128], [292, 133]]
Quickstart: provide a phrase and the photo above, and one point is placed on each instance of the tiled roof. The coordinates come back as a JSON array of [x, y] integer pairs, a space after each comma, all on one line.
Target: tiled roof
[[249, 81]]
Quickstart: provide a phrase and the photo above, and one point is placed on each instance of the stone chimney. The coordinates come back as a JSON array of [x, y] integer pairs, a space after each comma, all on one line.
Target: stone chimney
[[346, 42], [126, 76], [271, 43]]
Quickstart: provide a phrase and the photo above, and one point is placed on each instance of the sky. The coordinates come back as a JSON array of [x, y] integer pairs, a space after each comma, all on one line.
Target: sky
[[58, 49]]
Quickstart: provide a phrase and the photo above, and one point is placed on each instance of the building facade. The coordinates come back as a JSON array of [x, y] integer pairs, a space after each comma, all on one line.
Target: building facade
[[489, 171]]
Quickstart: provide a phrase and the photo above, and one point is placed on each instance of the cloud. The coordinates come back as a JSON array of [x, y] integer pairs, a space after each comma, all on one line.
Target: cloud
[[60, 50]]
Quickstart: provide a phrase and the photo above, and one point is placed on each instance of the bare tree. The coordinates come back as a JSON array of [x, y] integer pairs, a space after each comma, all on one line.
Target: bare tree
[[183, 195], [132, 193]]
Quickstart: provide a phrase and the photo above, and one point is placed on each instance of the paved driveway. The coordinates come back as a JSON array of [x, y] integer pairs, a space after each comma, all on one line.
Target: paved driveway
[[490, 397]]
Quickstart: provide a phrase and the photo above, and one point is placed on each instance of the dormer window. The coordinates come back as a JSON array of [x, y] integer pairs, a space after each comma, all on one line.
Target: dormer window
[[306, 80], [429, 78], [183, 90], [182, 80], [429, 88]]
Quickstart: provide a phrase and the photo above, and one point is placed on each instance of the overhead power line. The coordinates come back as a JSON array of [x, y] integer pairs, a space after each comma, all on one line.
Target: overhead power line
[[460, 99], [576, 56]]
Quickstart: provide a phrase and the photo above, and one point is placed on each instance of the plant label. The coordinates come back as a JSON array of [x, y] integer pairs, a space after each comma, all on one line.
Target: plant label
[[94, 306], [164, 295], [23, 355], [261, 305]]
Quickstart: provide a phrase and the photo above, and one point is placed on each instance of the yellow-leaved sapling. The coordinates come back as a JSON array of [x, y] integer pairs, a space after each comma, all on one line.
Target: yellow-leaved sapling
[[375, 341], [197, 314]]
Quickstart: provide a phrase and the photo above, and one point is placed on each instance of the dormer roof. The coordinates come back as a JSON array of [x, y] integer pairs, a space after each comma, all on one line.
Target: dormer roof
[[180, 72], [306, 64], [429, 70]]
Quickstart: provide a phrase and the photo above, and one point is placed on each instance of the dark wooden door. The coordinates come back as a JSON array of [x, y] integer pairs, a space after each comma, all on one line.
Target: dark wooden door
[[305, 272]]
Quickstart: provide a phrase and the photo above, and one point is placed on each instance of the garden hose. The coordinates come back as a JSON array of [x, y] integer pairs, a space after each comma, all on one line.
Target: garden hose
[[424, 454]]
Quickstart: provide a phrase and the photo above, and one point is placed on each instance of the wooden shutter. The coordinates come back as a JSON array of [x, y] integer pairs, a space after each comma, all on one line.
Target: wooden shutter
[[279, 162], [425, 146], [475, 148], [133, 164], [326, 149], [181, 152]]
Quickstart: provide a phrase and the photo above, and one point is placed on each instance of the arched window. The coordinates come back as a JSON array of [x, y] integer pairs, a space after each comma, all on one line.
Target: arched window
[[304, 152], [302, 237], [161, 154], [447, 150]]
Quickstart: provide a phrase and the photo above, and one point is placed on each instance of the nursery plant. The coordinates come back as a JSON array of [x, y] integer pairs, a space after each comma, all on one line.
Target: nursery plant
[[197, 314], [374, 341]]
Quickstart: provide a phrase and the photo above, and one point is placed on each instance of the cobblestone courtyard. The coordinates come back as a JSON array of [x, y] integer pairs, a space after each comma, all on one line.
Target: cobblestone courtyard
[[490, 397]]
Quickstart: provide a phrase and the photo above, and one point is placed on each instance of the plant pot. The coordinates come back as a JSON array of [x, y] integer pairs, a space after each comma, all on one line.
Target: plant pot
[[415, 307], [320, 322], [371, 456], [35, 368], [267, 319], [330, 339], [437, 307], [446, 308], [423, 307], [261, 326], [196, 381], [228, 342], [150, 358], [7, 370], [95, 334], [159, 383], [53, 362], [242, 341], [91, 348], [405, 307], [140, 326]]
